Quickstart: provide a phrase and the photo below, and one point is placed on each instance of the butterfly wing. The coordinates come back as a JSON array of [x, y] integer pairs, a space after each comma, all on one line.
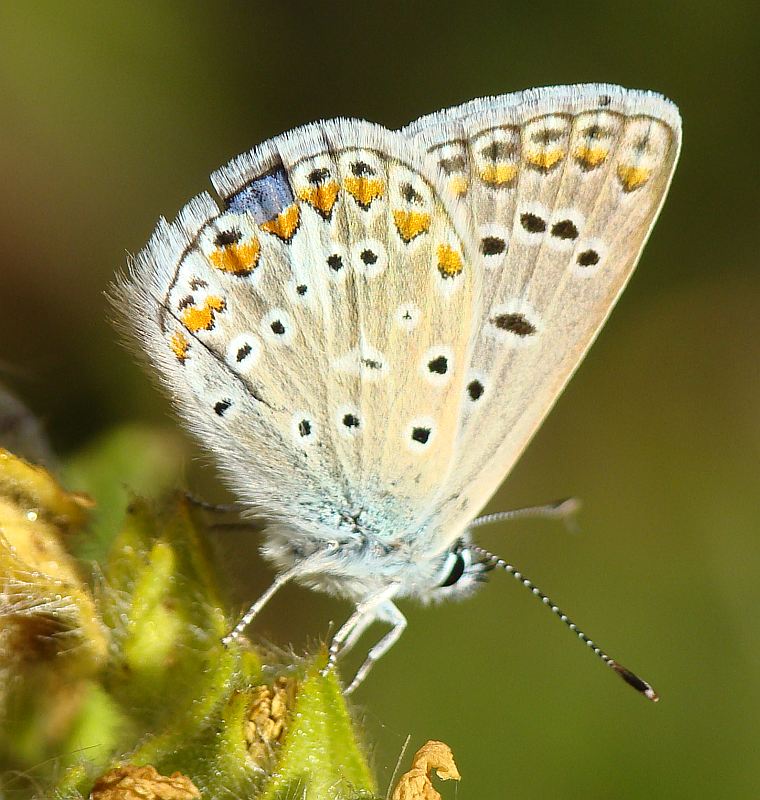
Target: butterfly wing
[[314, 331], [367, 336], [564, 185]]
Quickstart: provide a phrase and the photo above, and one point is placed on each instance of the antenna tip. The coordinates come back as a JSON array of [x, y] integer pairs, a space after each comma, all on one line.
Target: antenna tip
[[567, 506], [633, 680]]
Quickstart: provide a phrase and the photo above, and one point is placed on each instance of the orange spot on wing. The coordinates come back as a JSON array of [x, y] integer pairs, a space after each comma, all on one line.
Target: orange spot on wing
[[498, 174], [237, 259], [633, 177], [458, 184], [179, 344], [591, 157], [411, 224], [201, 318], [285, 224], [364, 190], [321, 198], [449, 261], [545, 159]]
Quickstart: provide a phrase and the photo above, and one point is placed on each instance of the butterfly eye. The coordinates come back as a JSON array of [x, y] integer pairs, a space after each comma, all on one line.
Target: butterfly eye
[[457, 564]]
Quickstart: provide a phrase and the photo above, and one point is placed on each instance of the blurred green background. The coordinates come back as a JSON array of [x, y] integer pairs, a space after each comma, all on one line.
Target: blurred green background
[[115, 113]]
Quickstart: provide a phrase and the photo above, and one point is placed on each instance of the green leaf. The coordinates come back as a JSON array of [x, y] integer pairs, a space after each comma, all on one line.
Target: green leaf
[[161, 603], [320, 758], [165, 691]]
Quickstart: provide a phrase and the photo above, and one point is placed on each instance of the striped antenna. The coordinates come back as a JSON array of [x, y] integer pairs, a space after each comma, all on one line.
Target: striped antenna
[[629, 677], [563, 509]]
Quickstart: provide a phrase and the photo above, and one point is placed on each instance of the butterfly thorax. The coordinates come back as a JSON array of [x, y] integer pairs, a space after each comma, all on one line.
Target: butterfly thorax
[[359, 563]]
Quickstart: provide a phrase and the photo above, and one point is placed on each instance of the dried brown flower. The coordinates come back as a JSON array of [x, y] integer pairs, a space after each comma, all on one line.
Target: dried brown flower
[[267, 717], [142, 783], [416, 784]]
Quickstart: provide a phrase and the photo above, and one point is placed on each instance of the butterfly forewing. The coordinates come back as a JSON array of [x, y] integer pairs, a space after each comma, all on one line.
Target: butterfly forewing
[[564, 185]]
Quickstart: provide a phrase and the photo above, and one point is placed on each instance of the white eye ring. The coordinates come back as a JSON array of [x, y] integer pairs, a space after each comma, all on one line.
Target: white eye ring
[[448, 566], [450, 576]]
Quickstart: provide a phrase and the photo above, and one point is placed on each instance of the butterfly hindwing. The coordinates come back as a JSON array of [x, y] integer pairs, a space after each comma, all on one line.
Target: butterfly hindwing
[[314, 330]]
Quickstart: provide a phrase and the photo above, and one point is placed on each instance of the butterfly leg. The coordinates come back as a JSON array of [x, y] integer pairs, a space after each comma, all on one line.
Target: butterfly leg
[[218, 508], [247, 618], [364, 615], [387, 612], [354, 635]]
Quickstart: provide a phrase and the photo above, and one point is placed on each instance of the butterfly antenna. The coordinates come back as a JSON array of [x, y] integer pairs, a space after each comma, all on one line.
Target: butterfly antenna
[[629, 677], [560, 509]]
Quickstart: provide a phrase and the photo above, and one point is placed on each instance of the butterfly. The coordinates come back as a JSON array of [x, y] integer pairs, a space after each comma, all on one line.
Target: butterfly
[[369, 327]]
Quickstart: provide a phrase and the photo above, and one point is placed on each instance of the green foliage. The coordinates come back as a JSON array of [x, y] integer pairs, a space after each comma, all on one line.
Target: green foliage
[[127, 461], [165, 691], [321, 734]]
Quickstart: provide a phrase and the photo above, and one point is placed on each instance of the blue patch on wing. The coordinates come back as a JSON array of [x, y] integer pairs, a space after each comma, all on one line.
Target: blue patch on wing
[[263, 198]]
